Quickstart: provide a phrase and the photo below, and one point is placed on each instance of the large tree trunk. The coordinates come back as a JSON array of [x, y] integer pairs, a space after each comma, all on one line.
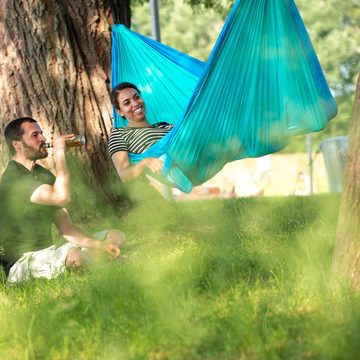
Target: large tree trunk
[[55, 67], [346, 261]]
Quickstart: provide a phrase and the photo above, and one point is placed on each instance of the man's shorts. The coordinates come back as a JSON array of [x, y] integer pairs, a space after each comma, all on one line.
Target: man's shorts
[[46, 263]]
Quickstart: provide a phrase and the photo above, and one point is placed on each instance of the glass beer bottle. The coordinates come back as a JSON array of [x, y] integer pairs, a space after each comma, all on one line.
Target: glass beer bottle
[[77, 141]]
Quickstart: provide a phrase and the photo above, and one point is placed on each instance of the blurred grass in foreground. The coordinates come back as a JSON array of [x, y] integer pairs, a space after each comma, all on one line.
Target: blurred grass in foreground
[[219, 279]]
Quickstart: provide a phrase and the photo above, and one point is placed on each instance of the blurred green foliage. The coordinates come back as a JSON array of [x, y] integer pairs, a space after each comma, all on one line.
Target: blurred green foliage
[[334, 28], [234, 279], [191, 31], [192, 26]]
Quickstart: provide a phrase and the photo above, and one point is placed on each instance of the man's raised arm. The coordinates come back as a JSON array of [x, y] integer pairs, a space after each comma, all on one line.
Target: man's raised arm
[[59, 193]]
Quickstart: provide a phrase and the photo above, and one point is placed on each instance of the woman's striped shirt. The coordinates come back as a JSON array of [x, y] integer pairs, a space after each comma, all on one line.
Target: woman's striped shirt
[[136, 140]]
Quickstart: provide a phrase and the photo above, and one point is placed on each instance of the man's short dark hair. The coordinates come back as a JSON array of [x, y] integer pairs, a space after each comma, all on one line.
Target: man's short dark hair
[[115, 92], [14, 131]]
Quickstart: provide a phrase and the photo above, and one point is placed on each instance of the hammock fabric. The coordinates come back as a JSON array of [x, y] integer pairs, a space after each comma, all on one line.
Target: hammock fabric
[[261, 84]]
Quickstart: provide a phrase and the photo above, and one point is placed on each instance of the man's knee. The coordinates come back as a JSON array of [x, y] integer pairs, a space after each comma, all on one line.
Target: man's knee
[[115, 237], [75, 259]]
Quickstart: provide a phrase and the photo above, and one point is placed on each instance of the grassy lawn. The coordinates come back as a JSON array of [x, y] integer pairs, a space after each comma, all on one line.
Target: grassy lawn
[[219, 279]]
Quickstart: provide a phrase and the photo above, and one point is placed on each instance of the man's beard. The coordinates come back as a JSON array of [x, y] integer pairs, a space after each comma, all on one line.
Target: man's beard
[[32, 153]]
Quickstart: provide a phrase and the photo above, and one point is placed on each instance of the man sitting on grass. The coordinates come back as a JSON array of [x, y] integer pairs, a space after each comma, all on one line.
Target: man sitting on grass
[[32, 199]]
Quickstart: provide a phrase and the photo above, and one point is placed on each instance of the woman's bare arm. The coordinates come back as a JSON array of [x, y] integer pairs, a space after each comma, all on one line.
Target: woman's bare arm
[[128, 172]]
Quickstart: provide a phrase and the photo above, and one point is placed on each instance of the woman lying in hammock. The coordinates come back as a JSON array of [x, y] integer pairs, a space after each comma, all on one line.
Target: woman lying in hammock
[[137, 136]]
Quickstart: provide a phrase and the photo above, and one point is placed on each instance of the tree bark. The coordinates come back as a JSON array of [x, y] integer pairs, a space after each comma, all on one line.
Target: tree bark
[[55, 67], [121, 11], [346, 261]]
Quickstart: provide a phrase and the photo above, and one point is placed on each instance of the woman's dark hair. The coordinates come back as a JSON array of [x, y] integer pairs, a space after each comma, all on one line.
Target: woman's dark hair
[[14, 131], [115, 92]]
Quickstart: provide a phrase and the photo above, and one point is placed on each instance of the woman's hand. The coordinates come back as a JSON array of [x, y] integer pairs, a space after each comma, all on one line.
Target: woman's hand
[[128, 172], [153, 164]]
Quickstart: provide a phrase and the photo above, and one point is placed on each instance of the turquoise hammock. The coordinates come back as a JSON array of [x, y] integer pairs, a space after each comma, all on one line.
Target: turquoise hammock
[[261, 85]]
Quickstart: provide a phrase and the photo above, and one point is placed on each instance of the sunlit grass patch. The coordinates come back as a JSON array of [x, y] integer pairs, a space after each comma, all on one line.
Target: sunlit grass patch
[[245, 278]]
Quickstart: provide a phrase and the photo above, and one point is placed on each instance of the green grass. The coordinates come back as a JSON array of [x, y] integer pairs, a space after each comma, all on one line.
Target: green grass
[[219, 279]]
